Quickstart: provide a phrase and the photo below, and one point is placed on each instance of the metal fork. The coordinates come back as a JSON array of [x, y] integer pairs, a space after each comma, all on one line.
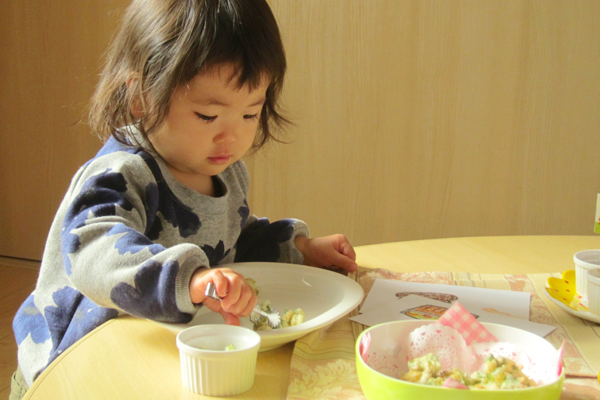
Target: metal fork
[[273, 318]]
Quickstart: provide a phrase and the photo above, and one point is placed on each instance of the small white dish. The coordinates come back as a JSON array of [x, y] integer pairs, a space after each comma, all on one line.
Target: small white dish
[[593, 290], [325, 297], [584, 260], [209, 368], [581, 314]]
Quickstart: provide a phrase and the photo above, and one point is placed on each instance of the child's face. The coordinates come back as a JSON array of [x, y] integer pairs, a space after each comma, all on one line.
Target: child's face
[[210, 125]]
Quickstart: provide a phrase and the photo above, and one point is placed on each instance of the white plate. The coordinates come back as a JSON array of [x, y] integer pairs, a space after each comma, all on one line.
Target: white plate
[[581, 314], [325, 297]]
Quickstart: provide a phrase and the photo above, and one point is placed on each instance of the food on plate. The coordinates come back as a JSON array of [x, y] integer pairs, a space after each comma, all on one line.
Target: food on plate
[[289, 318], [261, 323], [253, 285], [496, 373], [292, 317]]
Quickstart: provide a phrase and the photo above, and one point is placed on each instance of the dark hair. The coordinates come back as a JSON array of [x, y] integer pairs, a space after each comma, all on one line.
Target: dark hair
[[162, 44]]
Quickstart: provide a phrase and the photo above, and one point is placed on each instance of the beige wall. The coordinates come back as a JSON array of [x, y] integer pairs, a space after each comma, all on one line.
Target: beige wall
[[425, 119], [50, 53], [414, 119]]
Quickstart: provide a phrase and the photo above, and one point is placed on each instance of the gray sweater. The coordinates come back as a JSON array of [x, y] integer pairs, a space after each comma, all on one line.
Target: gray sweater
[[127, 238]]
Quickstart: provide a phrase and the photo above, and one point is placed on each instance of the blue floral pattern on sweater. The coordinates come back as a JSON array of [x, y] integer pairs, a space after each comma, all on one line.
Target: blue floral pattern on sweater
[[126, 239]]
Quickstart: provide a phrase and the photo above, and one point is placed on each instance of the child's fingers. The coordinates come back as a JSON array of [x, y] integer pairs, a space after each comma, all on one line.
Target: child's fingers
[[246, 303], [337, 252], [341, 259], [221, 282], [241, 299], [249, 307], [345, 263], [229, 318], [234, 287], [346, 248], [212, 304], [237, 297]]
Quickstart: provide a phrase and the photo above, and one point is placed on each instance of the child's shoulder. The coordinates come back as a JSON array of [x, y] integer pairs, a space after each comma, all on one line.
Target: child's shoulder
[[115, 149], [120, 161]]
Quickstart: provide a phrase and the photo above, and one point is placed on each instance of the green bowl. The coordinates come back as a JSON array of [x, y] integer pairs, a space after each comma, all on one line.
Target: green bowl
[[379, 385]]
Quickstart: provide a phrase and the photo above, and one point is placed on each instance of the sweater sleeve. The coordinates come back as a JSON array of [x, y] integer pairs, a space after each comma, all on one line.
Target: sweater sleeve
[[107, 251], [262, 240]]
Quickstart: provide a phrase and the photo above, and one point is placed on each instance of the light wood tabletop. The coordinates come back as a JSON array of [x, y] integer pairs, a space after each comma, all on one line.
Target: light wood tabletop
[[130, 358]]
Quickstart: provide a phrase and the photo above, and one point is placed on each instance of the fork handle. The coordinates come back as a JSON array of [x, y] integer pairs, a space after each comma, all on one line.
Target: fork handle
[[261, 312], [211, 291]]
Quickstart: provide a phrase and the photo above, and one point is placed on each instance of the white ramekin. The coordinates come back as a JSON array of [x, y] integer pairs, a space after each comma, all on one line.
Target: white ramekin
[[593, 290], [584, 261], [207, 369]]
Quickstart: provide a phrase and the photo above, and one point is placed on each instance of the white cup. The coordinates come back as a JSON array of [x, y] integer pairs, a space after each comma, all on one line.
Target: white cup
[[208, 369], [584, 261], [593, 290]]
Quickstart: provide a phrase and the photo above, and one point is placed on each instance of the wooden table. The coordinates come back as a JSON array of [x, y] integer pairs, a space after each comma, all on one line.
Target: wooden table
[[129, 358]]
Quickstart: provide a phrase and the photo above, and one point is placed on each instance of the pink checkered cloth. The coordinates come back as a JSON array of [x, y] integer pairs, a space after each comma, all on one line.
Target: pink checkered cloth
[[457, 317]]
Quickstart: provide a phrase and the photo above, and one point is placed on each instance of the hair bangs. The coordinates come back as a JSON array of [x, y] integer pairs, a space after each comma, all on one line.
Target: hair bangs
[[242, 38]]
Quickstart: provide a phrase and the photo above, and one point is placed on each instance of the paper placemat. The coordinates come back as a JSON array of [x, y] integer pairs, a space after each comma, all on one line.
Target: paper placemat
[[323, 363]]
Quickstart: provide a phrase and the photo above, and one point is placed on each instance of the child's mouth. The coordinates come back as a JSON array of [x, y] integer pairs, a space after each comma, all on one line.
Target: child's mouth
[[220, 160]]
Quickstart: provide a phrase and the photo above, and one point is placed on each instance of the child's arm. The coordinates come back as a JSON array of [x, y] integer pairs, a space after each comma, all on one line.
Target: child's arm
[[237, 297], [327, 252], [108, 251], [262, 240], [287, 241]]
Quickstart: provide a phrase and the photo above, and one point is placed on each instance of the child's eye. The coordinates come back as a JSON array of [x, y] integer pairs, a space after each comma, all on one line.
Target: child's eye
[[251, 117], [206, 118]]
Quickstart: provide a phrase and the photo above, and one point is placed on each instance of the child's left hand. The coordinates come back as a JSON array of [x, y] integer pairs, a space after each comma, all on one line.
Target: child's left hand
[[333, 251]]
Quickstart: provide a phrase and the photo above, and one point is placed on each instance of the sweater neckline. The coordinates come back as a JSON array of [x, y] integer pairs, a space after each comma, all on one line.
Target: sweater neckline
[[193, 199]]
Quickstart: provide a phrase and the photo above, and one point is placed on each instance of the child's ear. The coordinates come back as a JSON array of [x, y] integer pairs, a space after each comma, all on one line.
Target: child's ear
[[136, 102]]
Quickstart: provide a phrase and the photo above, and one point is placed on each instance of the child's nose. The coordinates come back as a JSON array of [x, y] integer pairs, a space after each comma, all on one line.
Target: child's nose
[[227, 135]]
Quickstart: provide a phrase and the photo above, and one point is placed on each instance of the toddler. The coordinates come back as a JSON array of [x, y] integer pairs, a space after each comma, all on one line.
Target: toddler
[[189, 87]]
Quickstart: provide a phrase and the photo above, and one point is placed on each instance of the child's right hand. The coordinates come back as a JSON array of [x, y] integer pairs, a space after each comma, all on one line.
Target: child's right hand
[[237, 297]]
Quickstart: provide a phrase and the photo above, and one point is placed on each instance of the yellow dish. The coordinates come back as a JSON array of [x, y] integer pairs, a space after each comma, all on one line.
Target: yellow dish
[[563, 290]]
